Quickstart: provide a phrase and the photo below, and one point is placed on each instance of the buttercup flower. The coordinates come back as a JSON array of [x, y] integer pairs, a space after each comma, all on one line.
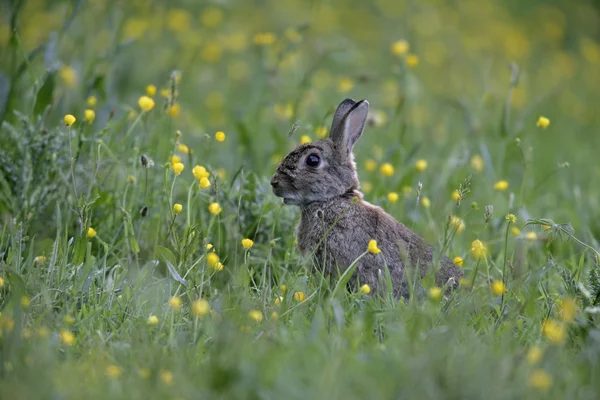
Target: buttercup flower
[[387, 169], [457, 223], [421, 165], [113, 371], [89, 115], [66, 337], [200, 308], [151, 90], [501, 185], [400, 47], [425, 202], [69, 119], [365, 289], [200, 172], [412, 60], [305, 139], [498, 288], [568, 309], [214, 208], [177, 208], [220, 136], [299, 296], [478, 249], [477, 163], [373, 247], [455, 195], [554, 331], [511, 217], [152, 320], [175, 303], [91, 233], [435, 293], [392, 197], [178, 168], [247, 243], [534, 355], [146, 103], [184, 149], [92, 101], [256, 315], [543, 122], [212, 259], [204, 183], [458, 261], [540, 380]]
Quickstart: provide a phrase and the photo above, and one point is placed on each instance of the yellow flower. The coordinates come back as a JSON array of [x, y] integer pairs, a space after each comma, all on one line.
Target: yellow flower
[[247, 243], [256, 315], [69, 320], [174, 110], [212, 259], [386, 169], [458, 261], [283, 288], [69, 75], [220, 136], [278, 301], [184, 149], [345, 85], [177, 208], [144, 373], [152, 320], [264, 39], [38, 260], [43, 332], [165, 93], [400, 47], [204, 183], [69, 119], [113, 371], [92, 101], [554, 331], [457, 223], [372, 248], [67, 337], [531, 236], [214, 208], [175, 303], [478, 249], [166, 376], [425, 202], [25, 301], [200, 172], [370, 165], [146, 103], [543, 122], [218, 266], [151, 90], [392, 197], [455, 195], [89, 115], [421, 165], [299, 296], [200, 308], [274, 316], [534, 355], [412, 60], [212, 17], [435, 293], [501, 185], [515, 231], [1, 282], [568, 309], [365, 289], [477, 163], [321, 131], [511, 217], [498, 288], [305, 139], [174, 159], [177, 168], [91, 233], [540, 380]]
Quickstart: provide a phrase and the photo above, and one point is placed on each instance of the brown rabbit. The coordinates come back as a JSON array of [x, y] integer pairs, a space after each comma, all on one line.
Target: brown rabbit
[[335, 229]]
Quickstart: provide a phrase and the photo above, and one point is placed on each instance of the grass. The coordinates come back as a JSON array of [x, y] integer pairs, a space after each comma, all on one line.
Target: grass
[[107, 292]]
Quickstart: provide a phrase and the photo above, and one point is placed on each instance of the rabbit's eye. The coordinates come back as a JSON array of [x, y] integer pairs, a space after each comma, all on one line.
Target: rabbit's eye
[[313, 160]]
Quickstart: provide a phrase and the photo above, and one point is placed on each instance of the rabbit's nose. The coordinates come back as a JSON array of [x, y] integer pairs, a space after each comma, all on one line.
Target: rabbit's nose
[[274, 182]]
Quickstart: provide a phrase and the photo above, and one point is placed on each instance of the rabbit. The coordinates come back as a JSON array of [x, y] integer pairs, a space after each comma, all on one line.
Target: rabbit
[[337, 224]]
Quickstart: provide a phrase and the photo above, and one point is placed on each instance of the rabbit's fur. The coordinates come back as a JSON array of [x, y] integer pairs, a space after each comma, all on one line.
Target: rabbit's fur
[[335, 229]]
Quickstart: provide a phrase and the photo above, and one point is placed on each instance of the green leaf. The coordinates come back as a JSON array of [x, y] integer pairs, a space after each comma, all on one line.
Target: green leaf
[[80, 249], [165, 254], [45, 94]]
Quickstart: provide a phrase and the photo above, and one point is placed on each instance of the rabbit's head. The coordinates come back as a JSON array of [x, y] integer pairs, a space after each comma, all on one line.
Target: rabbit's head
[[319, 171]]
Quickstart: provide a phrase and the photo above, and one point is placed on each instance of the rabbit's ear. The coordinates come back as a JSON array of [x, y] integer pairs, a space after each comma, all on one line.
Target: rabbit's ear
[[340, 113], [346, 133]]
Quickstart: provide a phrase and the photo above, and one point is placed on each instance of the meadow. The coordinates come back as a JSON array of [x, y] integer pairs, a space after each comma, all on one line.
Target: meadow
[[143, 254]]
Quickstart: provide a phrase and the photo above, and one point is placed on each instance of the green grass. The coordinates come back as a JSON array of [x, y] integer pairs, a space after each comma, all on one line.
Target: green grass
[[75, 308]]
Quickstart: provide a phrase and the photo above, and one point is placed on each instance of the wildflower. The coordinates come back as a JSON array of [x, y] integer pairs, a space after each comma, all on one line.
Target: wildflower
[[200, 172], [458, 261], [515, 231], [478, 249], [113, 371], [370, 165], [477, 163], [498, 288], [255, 315], [543, 122], [367, 187], [365, 289], [392, 197], [421, 165], [511, 218], [278, 301], [200, 308], [211, 17], [175, 303], [177, 208], [144, 373], [321, 132], [412, 60], [568, 309], [534, 355], [264, 39], [66, 337], [540, 380], [283, 288], [69, 120], [299, 296], [372, 247], [25, 301], [435, 293], [174, 159], [386, 169], [92, 101], [220, 136], [274, 316], [69, 320], [68, 74], [38, 260], [554, 331], [177, 168], [146, 103], [165, 93], [151, 90], [455, 195], [406, 190], [209, 246], [184, 149], [425, 202], [212, 259], [501, 185], [214, 208], [91, 233], [131, 116], [457, 223], [166, 376], [531, 236], [400, 47], [247, 243], [345, 85], [174, 110], [89, 115], [1, 282], [305, 139], [204, 183]]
